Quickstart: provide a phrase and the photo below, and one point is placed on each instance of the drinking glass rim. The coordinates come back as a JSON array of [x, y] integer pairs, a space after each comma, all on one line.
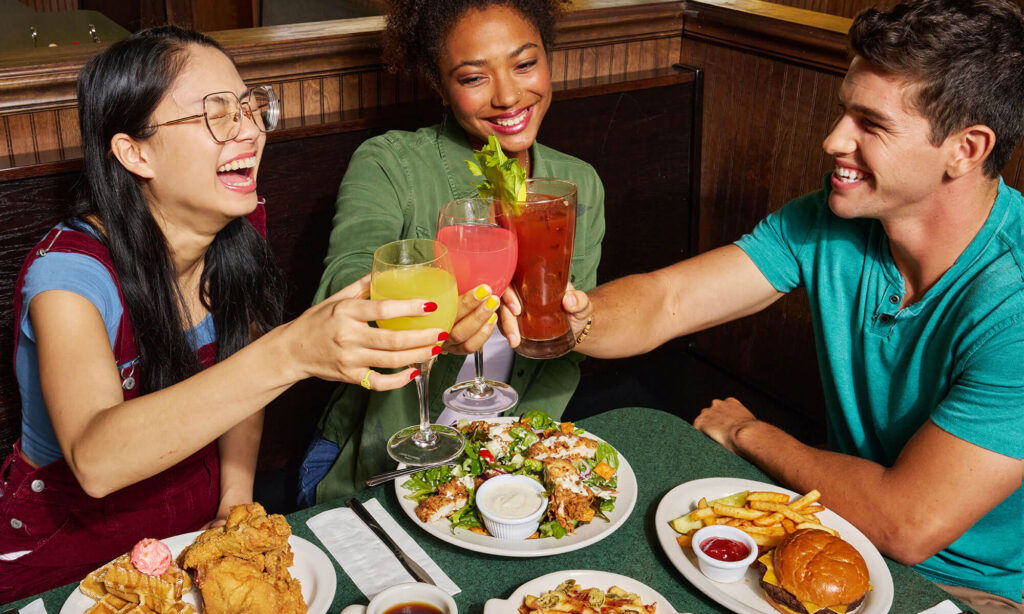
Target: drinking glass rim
[[425, 263], [573, 191]]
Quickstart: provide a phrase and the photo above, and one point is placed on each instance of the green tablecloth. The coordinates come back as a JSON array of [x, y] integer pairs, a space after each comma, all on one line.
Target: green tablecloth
[[664, 451]]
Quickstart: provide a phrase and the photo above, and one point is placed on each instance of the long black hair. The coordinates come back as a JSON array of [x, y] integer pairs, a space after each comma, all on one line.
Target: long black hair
[[118, 90]]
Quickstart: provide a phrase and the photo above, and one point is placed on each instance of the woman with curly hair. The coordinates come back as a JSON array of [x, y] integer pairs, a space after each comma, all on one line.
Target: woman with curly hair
[[488, 61]]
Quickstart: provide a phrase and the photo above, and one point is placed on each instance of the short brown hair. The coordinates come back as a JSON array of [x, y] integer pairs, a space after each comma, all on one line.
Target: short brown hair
[[416, 29], [967, 58]]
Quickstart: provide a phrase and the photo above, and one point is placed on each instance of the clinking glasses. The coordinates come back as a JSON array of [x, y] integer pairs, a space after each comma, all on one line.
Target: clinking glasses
[[223, 112]]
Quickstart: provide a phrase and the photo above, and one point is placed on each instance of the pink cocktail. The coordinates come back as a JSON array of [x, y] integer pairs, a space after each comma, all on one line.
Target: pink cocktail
[[481, 254]]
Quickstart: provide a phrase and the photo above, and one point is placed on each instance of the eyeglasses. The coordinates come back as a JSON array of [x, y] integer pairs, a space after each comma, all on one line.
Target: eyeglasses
[[223, 112]]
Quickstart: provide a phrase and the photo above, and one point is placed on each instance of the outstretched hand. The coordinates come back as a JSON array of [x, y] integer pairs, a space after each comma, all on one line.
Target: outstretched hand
[[334, 340], [575, 302], [475, 321], [722, 420]]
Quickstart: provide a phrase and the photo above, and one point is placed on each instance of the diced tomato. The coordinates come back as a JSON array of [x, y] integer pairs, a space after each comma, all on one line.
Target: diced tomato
[[486, 455]]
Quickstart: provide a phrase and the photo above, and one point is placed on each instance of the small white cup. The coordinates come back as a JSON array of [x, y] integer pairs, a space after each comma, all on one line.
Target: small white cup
[[723, 571], [509, 528], [411, 592]]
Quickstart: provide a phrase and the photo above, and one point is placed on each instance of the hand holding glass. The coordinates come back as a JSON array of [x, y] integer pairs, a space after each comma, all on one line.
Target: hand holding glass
[[419, 268], [483, 251]]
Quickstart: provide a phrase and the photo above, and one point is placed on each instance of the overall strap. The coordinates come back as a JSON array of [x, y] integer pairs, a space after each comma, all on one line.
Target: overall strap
[[63, 240]]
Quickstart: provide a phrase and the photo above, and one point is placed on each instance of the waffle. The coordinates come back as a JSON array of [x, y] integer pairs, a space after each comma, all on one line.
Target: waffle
[[120, 588]]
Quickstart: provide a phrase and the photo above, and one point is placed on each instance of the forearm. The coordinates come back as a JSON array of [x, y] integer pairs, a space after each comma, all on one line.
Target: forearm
[[638, 313], [861, 491], [173, 423], [239, 449]]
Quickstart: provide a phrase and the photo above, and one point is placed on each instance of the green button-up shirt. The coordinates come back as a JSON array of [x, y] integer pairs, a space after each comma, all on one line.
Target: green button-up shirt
[[393, 188]]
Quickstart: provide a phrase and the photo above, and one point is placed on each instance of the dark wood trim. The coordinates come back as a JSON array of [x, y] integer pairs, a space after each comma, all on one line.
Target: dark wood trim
[[783, 32], [39, 170], [580, 88]]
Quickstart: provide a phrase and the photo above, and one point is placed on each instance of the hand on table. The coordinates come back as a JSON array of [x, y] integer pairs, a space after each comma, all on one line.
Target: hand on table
[[474, 322], [723, 420], [334, 340], [575, 302]]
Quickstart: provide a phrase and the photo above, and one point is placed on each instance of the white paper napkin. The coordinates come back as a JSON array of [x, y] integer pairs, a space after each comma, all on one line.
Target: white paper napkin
[[364, 557], [946, 607], [36, 607]]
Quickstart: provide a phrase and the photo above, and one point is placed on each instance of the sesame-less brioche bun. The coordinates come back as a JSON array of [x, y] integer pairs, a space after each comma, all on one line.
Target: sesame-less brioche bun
[[817, 568]]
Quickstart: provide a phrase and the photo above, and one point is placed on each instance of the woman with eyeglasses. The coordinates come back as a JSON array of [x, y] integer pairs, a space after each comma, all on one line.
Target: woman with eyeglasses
[[148, 335]]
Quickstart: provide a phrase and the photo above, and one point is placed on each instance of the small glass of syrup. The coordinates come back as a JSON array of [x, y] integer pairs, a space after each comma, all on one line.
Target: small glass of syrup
[[413, 607]]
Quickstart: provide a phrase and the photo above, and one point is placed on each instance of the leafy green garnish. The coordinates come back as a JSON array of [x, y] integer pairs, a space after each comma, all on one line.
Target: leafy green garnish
[[504, 177], [424, 483], [539, 420], [552, 528], [607, 455]]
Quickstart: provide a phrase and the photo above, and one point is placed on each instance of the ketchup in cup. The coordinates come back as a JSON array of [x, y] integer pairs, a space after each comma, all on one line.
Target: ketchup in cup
[[723, 549]]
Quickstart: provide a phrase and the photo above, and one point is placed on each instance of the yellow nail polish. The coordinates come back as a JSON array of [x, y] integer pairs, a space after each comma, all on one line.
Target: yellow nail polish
[[492, 303], [492, 319], [480, 292]]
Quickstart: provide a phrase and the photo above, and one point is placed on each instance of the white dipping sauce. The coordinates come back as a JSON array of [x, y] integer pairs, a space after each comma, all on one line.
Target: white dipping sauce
[[512, 500]]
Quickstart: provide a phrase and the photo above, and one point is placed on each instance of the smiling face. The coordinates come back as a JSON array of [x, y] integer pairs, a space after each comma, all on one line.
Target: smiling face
[[494, 73], [886, 166], [195, 179]]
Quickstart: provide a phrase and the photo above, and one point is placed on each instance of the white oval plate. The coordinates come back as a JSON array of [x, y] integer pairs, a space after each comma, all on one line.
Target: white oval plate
[[746, 596], [312, 569], [585, 535], [585, 578]]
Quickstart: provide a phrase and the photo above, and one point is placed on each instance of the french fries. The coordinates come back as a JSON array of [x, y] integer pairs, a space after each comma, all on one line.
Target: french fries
[[766, 517]]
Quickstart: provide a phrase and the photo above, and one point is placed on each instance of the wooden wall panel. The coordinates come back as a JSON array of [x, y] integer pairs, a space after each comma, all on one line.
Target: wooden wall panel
[[330, 71], [845, 8]]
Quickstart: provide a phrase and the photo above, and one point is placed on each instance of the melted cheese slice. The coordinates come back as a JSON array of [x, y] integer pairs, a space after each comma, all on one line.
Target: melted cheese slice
[[769, 577]]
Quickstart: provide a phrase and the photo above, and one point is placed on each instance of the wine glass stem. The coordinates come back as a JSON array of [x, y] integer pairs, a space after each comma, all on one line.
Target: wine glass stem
[[480, 387], [425, 437]]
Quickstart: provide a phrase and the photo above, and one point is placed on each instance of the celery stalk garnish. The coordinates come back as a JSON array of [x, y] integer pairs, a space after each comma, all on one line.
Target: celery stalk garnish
[[504, 178]]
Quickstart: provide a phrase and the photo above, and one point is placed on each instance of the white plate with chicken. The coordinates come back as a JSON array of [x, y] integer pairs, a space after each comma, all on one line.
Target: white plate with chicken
[[591, 487]]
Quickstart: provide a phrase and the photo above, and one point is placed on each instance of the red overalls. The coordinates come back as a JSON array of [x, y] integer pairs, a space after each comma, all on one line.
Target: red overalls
[[44, 510]]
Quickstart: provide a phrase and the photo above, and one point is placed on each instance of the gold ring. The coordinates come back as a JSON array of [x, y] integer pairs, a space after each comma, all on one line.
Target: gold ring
[[365, 382]]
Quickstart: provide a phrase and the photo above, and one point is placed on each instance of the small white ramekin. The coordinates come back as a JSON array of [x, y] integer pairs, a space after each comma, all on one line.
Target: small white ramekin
[[723, 571], [509, 528]]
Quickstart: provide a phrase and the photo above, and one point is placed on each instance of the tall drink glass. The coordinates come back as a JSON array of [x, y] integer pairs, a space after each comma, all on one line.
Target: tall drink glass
[[483, 251], [419, 268], [545, 226]]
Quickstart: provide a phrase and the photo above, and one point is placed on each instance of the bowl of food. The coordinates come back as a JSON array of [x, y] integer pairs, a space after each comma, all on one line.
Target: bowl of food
[[511, 505], [723, 553]]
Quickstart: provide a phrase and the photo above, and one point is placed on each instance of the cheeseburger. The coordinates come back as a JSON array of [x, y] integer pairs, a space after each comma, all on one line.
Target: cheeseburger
[[814, 572]]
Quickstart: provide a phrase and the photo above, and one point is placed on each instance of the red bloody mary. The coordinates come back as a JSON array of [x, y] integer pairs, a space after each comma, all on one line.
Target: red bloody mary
[[544, 227]]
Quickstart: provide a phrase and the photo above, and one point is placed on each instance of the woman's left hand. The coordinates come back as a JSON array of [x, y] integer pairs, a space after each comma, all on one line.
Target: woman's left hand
[[475, 321], [227, 501]]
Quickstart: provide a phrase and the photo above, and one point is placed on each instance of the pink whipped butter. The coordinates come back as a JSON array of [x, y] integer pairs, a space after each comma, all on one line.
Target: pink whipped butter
[[151, 557]]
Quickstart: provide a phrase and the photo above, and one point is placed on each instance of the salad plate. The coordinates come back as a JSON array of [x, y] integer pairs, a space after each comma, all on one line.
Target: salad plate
[[585, 578], [312, 569], [584, 535], [746, 596]]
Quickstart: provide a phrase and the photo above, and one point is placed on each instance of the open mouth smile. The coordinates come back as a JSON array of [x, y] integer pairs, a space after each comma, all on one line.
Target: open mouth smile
[[512, 122], [238, 174]]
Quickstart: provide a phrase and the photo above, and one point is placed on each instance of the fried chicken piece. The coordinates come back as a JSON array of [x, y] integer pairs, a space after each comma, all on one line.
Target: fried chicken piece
[[570, 498], [571, 447], [237, 585], [450, 498], [249, 533]]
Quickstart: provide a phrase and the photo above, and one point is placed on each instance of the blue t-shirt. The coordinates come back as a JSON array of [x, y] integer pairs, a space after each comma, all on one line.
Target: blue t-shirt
[[954, 357], [88, 278]]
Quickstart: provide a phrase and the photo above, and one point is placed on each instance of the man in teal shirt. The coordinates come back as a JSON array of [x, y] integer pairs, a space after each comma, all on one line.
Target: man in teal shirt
[[913, 260]]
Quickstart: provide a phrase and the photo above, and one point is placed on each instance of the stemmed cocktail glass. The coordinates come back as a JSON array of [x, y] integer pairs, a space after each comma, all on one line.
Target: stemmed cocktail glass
[[419, 268], [483, 250]]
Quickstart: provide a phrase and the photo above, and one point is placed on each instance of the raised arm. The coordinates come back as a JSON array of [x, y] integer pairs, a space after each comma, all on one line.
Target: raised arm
[[637, 313], [110, 443]]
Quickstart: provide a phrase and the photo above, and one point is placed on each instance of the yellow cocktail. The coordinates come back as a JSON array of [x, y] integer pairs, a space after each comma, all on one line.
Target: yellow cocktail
[[428, 283], [419, 269]]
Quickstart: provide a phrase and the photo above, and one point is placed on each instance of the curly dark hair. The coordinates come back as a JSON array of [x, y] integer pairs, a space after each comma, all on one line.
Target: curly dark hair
[[416, 29], [966, 58]]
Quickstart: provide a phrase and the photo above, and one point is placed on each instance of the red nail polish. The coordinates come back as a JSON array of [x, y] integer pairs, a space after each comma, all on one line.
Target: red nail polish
[[436, 350], [443, 336], [430, 307], [414, 373]]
